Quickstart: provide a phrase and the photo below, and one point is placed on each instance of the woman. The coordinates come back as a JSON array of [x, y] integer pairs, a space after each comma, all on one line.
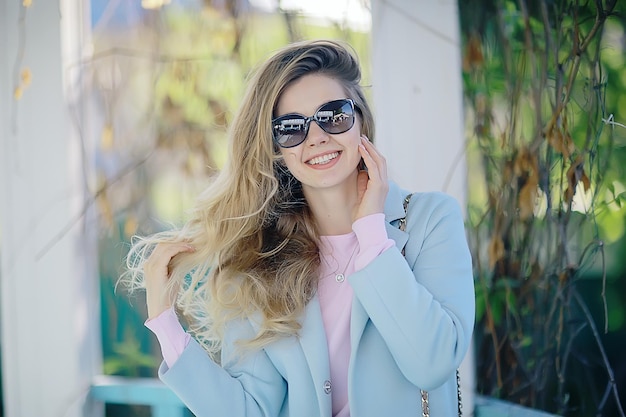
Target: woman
[[291, 276]]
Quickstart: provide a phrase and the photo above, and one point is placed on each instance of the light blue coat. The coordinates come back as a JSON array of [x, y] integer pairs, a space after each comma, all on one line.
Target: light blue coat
[[411, 326]]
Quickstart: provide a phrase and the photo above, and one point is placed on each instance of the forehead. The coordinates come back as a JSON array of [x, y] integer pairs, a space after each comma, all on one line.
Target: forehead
[[307, 94]]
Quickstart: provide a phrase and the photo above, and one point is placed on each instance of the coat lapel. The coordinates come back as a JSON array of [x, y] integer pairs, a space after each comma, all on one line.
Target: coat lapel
[[312, 341], [394, 210], [314, 345]]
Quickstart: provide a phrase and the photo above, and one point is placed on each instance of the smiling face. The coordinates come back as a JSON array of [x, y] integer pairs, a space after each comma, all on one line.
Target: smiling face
[[323, 160]]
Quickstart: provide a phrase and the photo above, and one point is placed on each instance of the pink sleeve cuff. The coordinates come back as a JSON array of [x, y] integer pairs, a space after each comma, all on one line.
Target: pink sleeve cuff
[[373, 240], [170, 334]]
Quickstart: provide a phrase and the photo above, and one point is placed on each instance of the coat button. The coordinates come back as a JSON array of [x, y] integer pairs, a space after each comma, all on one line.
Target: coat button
[[327, 387]]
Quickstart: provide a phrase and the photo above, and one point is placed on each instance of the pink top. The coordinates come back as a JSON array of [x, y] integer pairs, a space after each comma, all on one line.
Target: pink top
[[173, 339], [345, 254], [341, 254]]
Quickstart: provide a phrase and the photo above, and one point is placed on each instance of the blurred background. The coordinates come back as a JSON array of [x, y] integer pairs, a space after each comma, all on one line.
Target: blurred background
[[535, 95]]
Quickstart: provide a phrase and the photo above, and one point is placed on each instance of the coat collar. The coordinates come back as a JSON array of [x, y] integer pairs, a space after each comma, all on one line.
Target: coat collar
[[394, 208], [394, 211]]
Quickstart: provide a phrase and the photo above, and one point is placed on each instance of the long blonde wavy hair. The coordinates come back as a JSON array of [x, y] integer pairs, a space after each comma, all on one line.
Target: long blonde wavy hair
[[256, 241]]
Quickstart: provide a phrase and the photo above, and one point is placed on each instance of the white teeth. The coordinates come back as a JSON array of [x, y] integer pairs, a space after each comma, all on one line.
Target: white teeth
[[323, 159]]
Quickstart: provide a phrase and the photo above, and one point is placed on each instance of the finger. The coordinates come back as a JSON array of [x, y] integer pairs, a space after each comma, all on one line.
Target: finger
[[169, 250], [373, 151], [372, 166], [377, 157], [163, 253]]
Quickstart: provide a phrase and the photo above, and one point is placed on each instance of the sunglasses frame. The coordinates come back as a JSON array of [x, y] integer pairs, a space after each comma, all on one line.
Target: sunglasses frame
[[314, 118]]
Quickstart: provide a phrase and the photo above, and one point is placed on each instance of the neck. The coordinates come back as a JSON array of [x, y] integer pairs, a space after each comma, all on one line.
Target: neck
[[333, 207]]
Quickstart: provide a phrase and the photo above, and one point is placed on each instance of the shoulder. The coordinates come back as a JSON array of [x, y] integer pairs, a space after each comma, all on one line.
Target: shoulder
[[434, 210], [434, 201], [421, 204], [435, 220]]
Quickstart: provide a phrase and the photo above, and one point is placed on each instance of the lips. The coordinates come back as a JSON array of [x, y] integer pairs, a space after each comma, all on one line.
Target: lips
[[323, 159]]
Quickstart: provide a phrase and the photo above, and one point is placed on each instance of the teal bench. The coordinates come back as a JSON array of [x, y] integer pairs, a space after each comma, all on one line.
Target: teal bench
[[164, 403]]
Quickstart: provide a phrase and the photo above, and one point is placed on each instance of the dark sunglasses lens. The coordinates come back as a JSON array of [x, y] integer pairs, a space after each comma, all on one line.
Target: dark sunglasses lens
[[290, 130], [336, 116]]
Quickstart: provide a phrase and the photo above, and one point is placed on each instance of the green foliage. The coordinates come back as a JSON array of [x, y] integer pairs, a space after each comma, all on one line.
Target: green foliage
[[547, 184], [127, 359]]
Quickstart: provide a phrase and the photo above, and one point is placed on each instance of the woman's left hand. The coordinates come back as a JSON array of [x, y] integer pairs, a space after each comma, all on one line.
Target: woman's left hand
[[372, 184]]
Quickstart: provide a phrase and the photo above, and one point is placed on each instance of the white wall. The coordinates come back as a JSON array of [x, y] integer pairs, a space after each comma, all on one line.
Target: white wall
[[417, 92], [49, 293]]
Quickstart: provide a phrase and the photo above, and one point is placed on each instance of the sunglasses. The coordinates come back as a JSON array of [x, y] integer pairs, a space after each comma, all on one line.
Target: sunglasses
[[334, 117]]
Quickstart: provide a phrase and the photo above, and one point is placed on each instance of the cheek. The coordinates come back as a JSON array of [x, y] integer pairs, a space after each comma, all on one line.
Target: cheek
[[289, 155], [355, 139], [290, 159], [356, 132], [358, 124]]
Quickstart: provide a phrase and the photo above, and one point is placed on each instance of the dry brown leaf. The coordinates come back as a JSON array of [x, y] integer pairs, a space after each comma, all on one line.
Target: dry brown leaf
[[495, 250], [568, 195], [585, 180], [473, 57], [575, 174], [526, 199], [525, 163], [561, 142]]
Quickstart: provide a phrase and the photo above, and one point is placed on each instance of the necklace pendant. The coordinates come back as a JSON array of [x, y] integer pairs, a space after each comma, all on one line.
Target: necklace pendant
[[340, 278]]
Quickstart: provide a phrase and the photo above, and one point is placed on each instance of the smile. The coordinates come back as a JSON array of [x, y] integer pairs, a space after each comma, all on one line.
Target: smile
[[324, 159]]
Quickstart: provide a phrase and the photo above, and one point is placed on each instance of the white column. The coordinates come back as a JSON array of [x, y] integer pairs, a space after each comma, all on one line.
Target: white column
[[417, 93], [49, 286]]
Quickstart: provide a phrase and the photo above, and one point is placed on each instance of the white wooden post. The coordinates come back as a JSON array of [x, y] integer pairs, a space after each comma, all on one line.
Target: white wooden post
[[417, 92], [49, 294]]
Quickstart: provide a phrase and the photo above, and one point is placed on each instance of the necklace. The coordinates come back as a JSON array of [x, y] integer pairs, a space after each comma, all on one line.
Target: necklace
[[340, 276]]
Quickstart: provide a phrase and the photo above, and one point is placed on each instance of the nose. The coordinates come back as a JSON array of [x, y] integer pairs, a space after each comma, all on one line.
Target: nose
[[316, 135]]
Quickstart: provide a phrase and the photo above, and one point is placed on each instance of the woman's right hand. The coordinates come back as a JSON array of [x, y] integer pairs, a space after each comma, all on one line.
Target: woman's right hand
[[156, 271], [372, 185]]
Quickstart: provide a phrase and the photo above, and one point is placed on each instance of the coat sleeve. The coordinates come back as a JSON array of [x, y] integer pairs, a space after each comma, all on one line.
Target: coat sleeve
[[423, 304], [248, 384]]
